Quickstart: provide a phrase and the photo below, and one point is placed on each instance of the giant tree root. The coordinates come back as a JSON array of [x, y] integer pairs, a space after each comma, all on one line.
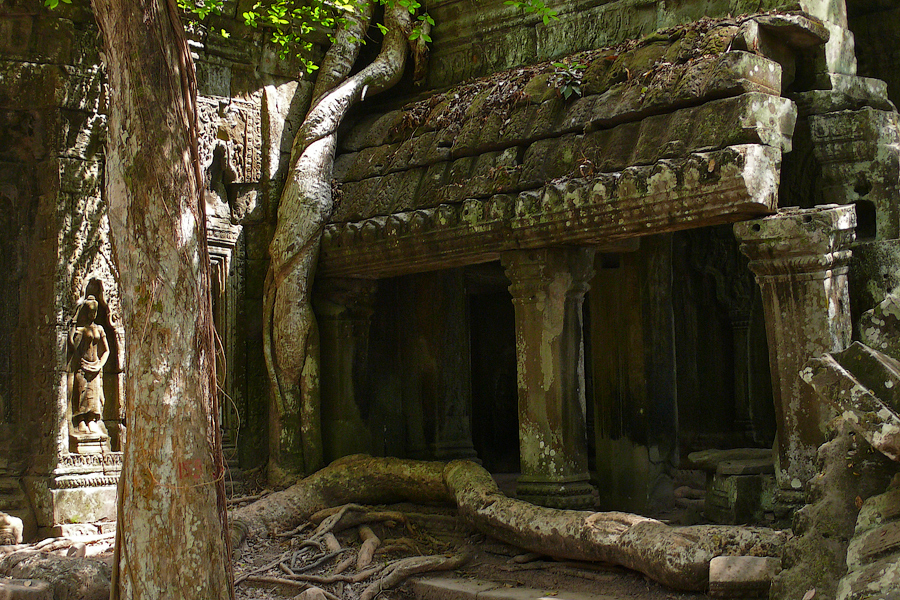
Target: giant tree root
[[676, 557]]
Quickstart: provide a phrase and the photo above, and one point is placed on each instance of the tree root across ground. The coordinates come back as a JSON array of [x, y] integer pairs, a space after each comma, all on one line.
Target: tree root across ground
[[340, 534], [676, 557]]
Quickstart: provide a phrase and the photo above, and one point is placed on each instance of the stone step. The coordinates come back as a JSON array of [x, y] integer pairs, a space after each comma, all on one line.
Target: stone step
[[457, 588], [873, 557]]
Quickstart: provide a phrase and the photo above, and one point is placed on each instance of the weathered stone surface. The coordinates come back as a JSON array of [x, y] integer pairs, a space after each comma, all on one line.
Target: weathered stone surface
[[879, 580], [31, 86], [800, 260], [735, 499], [69, 578], [879, 510], [849, 472], [742, 576], [709, 460], [704, 188], [25, 589], [864, 386], [749, 118], [872, 557], [879, 328], [548, 288], [860, 156], [847, 92], [11, 529]]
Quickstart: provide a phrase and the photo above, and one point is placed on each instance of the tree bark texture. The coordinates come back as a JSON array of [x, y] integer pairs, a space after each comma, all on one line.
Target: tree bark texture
[[675, 556], [306, 204], [171, 493]]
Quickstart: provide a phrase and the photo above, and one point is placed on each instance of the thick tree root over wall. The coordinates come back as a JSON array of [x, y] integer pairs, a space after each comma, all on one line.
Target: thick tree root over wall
[[676, 557]]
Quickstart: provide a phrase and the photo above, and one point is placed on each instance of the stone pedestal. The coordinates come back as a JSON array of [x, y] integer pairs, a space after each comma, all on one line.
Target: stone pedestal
[[548, 288], [800, 258], [344, 310], [89, 443]]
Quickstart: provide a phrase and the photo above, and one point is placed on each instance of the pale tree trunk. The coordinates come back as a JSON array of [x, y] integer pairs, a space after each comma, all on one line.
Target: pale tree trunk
[[305, 207], [170, 542]]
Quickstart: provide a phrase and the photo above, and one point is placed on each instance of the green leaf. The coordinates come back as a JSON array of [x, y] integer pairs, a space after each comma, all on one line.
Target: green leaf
[[382, 28]]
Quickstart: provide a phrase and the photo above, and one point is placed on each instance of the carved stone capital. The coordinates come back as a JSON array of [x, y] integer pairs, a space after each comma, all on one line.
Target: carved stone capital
[[563, 270], [798, 241]]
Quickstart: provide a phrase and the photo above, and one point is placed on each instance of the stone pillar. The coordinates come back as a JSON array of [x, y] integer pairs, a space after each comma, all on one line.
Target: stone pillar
[[437, 390], [548, 288], [800, 258], [344, 310]]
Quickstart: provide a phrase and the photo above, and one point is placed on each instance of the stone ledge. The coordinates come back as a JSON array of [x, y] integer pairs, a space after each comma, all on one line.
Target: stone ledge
[[25, 589], [751, 118], [702, 189], [457, 588]]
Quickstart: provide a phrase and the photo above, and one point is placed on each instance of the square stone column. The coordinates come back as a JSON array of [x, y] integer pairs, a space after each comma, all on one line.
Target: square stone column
[[548, 288], [344, 309], [800, 258]]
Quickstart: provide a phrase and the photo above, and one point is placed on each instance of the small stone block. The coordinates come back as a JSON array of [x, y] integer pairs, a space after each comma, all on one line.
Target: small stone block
[[25, 589], [742, 576]]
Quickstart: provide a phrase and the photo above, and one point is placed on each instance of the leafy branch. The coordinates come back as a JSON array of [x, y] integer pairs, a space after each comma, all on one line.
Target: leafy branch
[[535, 7], [567, 78]]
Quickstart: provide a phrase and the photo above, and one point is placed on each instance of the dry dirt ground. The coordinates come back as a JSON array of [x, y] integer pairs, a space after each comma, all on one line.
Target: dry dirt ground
[[432, 531]]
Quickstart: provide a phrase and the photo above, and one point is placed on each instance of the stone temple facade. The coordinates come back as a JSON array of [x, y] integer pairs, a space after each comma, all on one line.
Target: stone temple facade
[[591, 292]]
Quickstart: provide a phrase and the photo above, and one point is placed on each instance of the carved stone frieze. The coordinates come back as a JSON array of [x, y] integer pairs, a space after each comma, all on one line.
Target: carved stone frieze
[[235, 125], [86, 481], [702, 189]]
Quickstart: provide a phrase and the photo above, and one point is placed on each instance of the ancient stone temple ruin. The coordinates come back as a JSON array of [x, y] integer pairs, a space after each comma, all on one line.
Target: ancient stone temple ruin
[[594, 291]]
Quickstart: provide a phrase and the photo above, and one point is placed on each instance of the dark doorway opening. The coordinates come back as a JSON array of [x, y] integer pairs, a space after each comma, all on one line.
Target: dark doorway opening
[[495, 414]]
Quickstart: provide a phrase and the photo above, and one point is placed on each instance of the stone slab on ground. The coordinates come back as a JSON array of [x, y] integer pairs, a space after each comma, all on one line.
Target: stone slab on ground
[[458, 588], [742, 576], [708, 460], [25, 589]]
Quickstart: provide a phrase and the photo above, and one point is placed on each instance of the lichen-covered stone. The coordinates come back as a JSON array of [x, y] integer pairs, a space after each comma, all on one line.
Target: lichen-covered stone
[[879, 328], [675, 193]]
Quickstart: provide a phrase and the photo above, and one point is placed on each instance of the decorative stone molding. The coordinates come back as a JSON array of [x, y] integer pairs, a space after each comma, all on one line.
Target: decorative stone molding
[[702, 189], [860, 156], [86, 481], [799, 241], [72, 462]]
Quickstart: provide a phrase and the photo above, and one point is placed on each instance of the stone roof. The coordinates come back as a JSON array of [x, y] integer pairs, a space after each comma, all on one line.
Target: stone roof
[[680, 129]]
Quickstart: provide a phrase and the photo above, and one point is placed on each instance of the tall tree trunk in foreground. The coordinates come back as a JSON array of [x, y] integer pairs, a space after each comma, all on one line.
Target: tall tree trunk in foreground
[[290, 330], [170, 542]]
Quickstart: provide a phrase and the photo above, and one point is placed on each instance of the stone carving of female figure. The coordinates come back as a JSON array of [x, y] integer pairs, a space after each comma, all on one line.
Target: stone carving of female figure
[[90, 351]]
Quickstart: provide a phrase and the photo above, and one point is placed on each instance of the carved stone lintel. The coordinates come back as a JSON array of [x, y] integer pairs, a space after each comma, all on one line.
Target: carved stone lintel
[[548, 287], [800, 259]]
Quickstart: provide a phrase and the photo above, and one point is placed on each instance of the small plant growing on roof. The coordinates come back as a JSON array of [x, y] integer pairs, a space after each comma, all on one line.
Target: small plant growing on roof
[[567, 78]]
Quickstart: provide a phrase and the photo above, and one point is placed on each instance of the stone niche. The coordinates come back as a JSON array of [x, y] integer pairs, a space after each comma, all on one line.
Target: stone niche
[[72, 487]]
